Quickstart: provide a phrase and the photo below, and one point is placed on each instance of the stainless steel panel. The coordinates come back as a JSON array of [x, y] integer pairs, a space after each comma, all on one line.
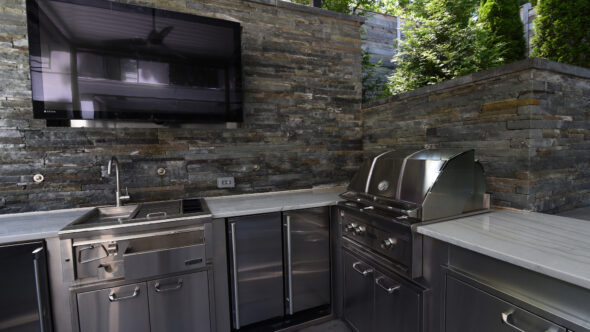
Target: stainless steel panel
[[42, 288], [118, 309], [358, 293], [160, 262], [180, 304], [386, 176], [258, 268], [417, 179], [220, 276], [309, 253], [359, 180], [397, 307], [470, 309]]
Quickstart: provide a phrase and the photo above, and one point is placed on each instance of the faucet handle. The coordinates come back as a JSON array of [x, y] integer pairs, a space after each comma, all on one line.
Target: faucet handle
[[125, 197]]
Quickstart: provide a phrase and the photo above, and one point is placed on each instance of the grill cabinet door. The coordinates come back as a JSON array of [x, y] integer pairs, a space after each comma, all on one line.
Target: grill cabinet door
[[179, 304], [307, 258], [397, 307], [358, 293], [118, 309]]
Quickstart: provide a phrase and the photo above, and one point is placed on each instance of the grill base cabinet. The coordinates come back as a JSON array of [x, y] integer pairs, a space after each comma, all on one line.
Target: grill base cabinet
[[179, 304], [378, 301]]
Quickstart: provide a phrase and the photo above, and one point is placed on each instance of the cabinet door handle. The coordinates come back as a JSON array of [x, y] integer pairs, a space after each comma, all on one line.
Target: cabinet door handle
[[234, 263], [289, 265], [388, 289], [364, 272], [158, 288], [507, 319], [37, 255], [114, 298]]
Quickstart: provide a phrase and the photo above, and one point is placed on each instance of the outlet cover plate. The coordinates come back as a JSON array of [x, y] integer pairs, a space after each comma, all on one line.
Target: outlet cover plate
[[226, 182]]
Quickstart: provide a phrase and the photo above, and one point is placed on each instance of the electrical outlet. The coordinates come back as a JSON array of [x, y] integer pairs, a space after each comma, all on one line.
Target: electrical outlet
[[226, 182]]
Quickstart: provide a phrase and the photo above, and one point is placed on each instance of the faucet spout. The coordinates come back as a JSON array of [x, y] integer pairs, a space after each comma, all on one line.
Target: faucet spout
[[118, 196]]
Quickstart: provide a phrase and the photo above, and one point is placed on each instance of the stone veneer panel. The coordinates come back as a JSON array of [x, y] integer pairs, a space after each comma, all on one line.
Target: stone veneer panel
[[302, 127], [529, 123]]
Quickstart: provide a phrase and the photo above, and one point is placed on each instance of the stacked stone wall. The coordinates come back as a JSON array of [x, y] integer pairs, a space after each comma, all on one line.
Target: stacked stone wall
[[301, 69]]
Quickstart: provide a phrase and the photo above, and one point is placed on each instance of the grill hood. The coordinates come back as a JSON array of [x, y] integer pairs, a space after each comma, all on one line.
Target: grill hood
[[426, 185]]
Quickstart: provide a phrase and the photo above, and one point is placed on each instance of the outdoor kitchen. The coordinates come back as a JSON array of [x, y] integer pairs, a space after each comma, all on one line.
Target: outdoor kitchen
[[252, 165]]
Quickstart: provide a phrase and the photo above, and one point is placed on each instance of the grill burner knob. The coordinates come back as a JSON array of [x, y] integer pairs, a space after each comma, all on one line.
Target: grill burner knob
[[388, 243], [359, 230], [350, 227]]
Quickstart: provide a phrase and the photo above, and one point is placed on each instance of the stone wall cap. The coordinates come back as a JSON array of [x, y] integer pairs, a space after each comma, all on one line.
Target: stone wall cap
[[310, 10], [530, 63]]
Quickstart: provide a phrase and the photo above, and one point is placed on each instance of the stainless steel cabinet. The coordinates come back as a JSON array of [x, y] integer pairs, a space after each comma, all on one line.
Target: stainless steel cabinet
[[118, 309], [470, 309], [256, 265], [376, 301], [179, 303], [358, 288], [307, 258]]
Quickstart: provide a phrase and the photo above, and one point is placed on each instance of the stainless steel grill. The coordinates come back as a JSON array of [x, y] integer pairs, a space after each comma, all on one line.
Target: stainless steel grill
[[424, 185]]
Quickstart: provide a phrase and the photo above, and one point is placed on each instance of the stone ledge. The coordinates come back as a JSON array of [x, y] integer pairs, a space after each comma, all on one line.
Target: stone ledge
[[531, 63], [309, 9]]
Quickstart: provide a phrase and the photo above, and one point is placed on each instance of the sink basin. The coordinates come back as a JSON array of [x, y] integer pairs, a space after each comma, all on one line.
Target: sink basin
[[128, 216], [108, 214]]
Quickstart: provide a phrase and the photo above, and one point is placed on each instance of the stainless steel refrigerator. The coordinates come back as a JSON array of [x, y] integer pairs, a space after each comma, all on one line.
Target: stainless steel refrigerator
[[279, 264]]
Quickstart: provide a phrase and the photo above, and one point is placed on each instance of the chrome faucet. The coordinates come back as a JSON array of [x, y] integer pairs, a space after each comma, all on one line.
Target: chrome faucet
[[118, 196]]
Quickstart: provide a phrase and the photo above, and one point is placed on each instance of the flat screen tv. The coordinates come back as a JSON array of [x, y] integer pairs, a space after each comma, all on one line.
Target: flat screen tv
[[103, 60]]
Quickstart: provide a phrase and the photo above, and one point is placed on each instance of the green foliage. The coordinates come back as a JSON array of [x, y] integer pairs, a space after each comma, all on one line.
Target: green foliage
[[501, 20], [562, 31], [373, 84], [352, 6], [442, 42]]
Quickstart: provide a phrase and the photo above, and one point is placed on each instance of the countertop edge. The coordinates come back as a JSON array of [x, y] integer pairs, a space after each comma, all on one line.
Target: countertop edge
[[512, 259]]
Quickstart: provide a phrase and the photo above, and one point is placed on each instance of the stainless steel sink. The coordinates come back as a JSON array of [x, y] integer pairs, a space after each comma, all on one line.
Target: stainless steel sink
[[130, 216], [108, 214]]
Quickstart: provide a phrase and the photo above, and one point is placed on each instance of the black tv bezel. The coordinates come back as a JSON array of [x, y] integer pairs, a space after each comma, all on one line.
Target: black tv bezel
[[60, 117]]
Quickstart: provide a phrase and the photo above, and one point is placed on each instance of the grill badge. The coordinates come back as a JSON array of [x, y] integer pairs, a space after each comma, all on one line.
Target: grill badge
[[383, 185]]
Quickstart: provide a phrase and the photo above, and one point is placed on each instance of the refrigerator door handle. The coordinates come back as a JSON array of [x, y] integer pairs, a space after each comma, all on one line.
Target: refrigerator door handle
[[39, 254], [289, 265], [235, 277]]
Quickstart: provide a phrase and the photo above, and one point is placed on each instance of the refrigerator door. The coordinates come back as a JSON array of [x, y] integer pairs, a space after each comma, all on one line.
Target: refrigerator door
[[307, 258], [256, 264], [24, 304]]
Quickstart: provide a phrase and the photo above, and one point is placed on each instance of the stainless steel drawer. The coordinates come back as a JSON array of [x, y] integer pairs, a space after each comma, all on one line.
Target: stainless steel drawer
[[469, 309], [161, 262], [118, 309]]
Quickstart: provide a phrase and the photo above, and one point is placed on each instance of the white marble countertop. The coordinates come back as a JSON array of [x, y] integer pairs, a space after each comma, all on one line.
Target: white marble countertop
[[28, 226], [242, 205], [552, 245], [45, 224]]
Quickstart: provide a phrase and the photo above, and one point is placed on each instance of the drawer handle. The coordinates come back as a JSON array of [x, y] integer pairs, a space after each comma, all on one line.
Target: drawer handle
[[160, 290], [391, 289], [156, 214], [113, 296], [507, 319], [365, 272]]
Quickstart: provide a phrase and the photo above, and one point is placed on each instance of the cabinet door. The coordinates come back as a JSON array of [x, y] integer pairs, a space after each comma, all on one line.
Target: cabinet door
[[469, 309], [358, 293], [24, 288], [180, 304], [307, 258], [397, 307], [256, 265], [118, 309]]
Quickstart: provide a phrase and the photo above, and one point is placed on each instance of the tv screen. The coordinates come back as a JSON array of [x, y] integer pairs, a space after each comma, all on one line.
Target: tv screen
[[102, 60]]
